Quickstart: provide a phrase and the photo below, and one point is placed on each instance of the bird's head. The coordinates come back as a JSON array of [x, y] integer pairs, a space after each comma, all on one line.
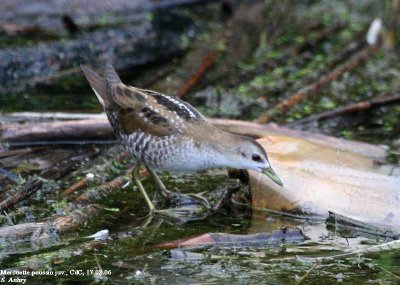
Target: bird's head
[[249, 154]]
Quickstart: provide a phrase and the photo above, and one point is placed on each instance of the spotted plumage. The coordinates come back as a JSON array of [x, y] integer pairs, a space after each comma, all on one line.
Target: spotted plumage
[[165, 133]]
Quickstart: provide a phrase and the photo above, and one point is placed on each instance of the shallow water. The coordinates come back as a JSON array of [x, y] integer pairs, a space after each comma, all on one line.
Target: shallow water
[[131, 256]]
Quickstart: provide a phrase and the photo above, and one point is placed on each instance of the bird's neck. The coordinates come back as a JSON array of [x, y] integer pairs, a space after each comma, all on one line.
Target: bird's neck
[[222, 149]]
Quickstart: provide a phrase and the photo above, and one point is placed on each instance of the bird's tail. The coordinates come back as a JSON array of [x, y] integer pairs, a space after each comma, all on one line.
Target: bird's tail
[[101, 85], [111, 75], [98, 85]]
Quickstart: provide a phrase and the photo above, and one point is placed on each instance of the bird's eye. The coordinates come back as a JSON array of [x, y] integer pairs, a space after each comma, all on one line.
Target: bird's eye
[[256, 157]]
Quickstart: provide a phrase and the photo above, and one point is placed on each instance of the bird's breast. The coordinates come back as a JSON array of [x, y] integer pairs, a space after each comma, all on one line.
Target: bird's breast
[[169, 153]]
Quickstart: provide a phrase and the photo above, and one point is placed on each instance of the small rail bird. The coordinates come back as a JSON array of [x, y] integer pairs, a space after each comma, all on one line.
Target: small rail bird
[[167, 134]]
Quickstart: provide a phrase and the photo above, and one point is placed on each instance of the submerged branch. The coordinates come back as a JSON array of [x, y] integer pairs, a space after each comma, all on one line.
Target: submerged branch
[[392, 245], [229, 240], [25, 192], [77, 215]]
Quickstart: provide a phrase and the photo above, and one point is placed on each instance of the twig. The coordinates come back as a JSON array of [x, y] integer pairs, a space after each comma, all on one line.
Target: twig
[[10, 222], [82, 183], [20, 195], [353, 62], [306, 274], [314, 41], [76, 215], [388, 272], [75, 187], [348, 109], [18, 152], [97, 261], [312, 88], [100, 192], [205, 65], [294, 50], [64, 167]]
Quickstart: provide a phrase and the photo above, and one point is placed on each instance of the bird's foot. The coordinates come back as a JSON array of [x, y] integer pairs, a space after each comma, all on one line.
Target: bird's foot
[[177, 199], [182, 207], [180, 214], [183, 214]]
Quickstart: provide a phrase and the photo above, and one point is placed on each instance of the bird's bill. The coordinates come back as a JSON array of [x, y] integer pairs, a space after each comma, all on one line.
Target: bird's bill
[[271, 174]]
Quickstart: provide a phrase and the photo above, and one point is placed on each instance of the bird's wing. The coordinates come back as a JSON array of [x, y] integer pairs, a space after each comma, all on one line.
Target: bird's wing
[[152, 112], [177, 106]]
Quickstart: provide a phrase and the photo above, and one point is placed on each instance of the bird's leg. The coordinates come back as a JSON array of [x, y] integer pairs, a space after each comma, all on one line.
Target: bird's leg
[[184, 207], [176, 197], [178, 214], [162, 190], [136, 179]]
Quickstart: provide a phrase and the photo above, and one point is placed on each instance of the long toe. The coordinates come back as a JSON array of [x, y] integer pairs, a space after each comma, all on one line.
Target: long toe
[[176, 199], [183, 214]]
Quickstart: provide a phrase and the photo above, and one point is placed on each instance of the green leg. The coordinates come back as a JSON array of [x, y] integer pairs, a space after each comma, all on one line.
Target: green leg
[[181, 213], [136, 179], [165, 193]]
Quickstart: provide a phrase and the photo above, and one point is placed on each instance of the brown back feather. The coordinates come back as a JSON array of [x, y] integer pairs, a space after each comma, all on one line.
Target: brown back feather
[[138, 111]]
